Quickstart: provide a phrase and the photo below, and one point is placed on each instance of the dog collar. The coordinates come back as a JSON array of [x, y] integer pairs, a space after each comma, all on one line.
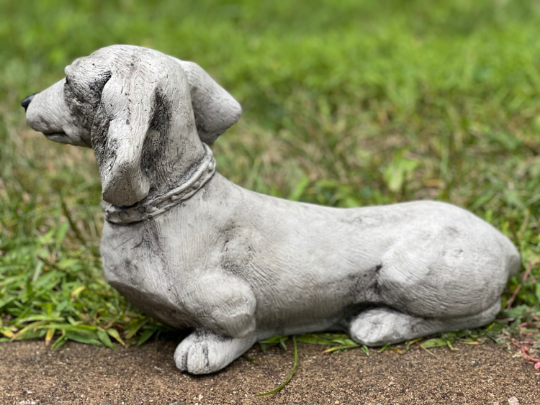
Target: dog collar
[[144, 210]]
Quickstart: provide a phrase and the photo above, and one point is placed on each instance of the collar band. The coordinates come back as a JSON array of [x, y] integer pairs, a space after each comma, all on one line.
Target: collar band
[[144, 210]]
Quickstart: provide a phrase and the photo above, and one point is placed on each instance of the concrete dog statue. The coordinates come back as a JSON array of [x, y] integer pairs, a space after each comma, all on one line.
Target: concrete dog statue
[[196, 251]]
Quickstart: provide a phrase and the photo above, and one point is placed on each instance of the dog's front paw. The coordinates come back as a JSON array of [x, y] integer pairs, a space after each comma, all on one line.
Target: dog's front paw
[[204, 352]]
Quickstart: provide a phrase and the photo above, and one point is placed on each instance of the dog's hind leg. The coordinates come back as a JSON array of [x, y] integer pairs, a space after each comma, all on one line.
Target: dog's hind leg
[[379, 326]]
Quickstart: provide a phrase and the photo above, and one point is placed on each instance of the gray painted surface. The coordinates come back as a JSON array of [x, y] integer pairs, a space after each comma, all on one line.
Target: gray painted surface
[[237, 266]]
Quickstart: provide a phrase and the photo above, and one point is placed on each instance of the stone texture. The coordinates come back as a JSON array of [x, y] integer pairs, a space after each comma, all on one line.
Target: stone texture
[[237, 266]]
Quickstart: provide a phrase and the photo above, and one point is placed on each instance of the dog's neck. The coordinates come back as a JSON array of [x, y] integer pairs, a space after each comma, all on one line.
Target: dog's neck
[[176, 164], [156, 203], [171, 152]]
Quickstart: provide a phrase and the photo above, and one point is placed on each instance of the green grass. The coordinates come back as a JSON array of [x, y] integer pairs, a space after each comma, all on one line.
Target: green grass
[[346, 103]]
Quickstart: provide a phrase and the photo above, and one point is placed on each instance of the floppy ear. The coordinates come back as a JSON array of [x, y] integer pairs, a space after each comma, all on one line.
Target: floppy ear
[[137, 78], [119, 131], [215, 110]]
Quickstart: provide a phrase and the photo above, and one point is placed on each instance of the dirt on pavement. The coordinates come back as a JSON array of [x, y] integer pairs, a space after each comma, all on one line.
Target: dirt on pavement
[[80, 374]]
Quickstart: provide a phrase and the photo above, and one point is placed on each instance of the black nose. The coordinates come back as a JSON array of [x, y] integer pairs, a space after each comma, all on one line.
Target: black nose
[[26, 102]]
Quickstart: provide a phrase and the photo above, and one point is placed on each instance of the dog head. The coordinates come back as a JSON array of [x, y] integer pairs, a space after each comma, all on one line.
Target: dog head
[[123, 99]]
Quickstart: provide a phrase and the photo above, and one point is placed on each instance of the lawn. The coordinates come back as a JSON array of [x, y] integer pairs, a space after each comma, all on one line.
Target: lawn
[[346, 103]]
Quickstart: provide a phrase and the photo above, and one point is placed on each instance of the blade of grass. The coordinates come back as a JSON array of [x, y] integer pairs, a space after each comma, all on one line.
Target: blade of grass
[[290, 376]]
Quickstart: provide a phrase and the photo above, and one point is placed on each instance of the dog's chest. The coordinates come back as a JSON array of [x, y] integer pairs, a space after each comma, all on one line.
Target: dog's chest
[[147, 267]]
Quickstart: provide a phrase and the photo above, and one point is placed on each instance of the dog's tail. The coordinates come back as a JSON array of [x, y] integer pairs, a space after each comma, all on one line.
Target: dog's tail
[[513, 258]]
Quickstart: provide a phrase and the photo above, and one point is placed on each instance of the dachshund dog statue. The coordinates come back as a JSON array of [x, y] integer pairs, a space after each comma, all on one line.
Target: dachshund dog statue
[[196, 251]]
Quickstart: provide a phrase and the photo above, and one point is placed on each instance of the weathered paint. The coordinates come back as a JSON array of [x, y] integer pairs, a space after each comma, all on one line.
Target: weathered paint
[[237, 266]]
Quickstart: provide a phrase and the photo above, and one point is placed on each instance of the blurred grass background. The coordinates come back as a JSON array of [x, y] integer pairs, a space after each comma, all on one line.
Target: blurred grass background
[[346, 103]]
